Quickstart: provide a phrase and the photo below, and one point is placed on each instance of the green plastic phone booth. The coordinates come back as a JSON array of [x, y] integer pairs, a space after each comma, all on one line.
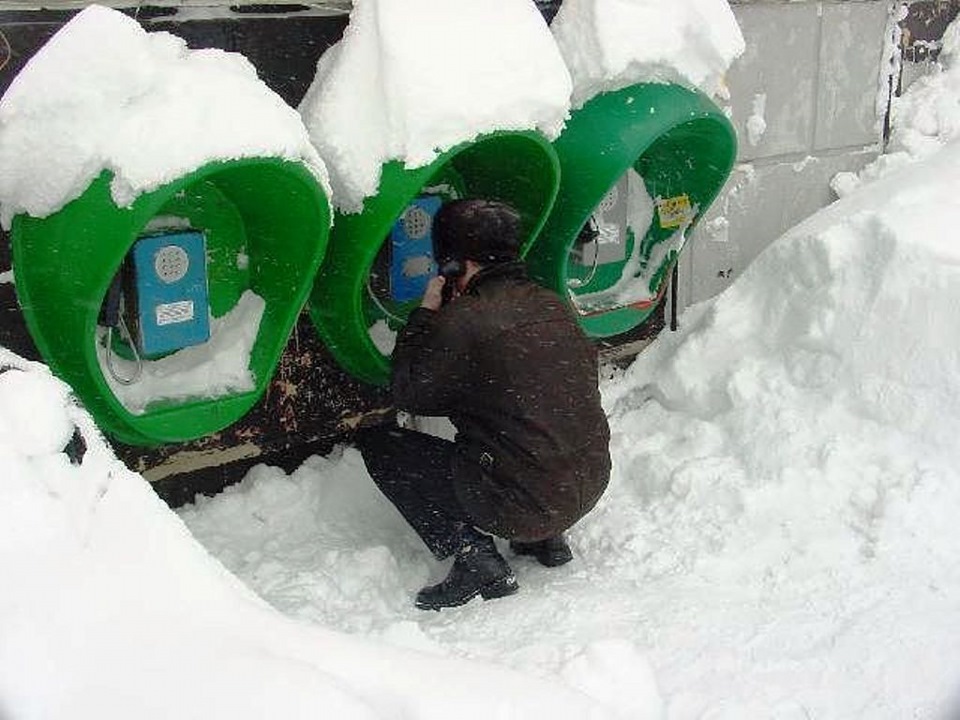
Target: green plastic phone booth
[[518, 167], [682, 147], [271, 213]]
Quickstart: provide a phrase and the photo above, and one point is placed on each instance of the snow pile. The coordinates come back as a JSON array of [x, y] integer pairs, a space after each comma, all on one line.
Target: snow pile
[[110, 608], [923, 119], [610, 44], [796, 447], [412, 79], [141, 106], [928, 114]]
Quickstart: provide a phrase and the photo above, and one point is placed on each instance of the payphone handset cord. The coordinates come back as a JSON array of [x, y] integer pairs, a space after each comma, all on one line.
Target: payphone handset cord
[[113, 318], [450, 270], [589, 233], [380, 306]]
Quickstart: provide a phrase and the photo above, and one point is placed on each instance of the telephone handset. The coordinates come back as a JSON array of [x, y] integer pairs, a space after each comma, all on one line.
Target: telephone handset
[[450, 271], [602, 240], [159, 299]]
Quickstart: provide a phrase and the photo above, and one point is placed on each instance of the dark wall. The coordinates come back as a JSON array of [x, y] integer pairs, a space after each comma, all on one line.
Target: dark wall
[[923, 28]]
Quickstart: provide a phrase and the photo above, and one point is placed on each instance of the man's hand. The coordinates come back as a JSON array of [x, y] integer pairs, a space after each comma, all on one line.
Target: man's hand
[[433, 297]]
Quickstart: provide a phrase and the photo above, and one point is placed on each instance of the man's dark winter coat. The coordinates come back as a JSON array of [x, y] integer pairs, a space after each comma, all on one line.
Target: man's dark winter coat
[[507, 363]]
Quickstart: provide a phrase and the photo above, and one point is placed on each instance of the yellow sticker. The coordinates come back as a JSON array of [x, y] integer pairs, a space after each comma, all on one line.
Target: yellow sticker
[[674, 211]]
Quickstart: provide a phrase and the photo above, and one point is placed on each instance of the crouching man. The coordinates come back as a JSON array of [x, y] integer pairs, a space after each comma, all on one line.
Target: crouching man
[[503, 358]]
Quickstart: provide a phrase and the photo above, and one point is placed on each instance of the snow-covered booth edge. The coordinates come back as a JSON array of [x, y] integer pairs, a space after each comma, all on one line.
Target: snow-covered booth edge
[[611, 45], [408, 81], [97, 142], [644, 74], [142, 106]]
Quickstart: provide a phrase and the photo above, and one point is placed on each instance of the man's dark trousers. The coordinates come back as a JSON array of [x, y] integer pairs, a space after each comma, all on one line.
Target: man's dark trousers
[[415, 472]]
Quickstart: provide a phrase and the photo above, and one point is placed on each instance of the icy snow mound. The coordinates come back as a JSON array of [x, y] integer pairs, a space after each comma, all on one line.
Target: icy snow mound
[[106, 595], [111, 609], [409, 80], [826, 373], [141, 105], [794, 447], [923, 120], [691, 43], [860, 294], [928, 115]]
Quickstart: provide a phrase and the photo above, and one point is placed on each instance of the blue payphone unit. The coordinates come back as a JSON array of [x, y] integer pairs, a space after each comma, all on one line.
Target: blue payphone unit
[[411, 249], [170, 279]]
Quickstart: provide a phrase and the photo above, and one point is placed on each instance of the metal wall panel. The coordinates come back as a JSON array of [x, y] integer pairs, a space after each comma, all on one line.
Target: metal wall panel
[[758, 203], [779, 69], [818, 68], [851, 49]]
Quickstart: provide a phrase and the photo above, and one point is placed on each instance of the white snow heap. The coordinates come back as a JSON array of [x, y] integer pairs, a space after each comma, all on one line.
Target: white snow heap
[[103, 94], [413, 78], [611, 44], [927, 116], [923, 120], [107, 597]]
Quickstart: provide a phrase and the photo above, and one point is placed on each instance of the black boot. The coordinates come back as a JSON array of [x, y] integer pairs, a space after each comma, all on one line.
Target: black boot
[[551, 552], [477, 570]]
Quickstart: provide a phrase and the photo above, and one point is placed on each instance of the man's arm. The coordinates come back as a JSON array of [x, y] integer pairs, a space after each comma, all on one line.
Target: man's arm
[[430, 360]]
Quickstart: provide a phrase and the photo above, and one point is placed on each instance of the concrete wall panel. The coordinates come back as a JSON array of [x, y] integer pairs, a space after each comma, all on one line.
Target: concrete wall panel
[[816, 66], [775, 79], [851, 49], [757, 205]]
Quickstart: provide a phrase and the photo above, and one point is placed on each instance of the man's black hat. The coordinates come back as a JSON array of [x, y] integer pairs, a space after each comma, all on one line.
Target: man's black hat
[[485, 231]]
